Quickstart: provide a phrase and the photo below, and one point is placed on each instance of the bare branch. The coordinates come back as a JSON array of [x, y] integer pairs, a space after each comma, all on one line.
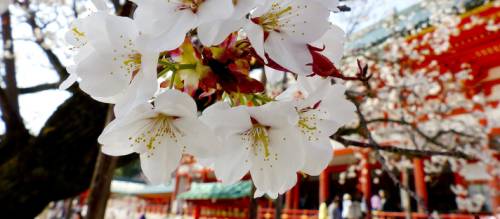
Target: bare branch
[[399, 150], [428, 138], [40, 41], [38, 88], [364, 128], [9, 97], [116, 5]]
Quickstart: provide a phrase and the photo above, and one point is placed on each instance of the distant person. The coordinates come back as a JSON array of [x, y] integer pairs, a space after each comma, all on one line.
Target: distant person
[[376, 202], [334, 211], [351, 209], [356, 211], [383, 198], [390, 204]]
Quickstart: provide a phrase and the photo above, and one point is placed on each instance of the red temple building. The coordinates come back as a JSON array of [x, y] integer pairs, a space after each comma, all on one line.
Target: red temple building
[[475, 46], [197, 193]]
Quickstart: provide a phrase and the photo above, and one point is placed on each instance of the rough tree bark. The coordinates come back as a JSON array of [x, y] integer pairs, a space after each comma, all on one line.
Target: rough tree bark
[[105, 167], [101, 181], [56, 164]]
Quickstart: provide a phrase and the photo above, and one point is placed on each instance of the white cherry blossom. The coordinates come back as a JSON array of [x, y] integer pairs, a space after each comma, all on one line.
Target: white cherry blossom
[[160, 134], [332, 5], [165, 23], [109, 65], [214, 32], [262, 140], [282, 29], [322, 109], [333, 41]]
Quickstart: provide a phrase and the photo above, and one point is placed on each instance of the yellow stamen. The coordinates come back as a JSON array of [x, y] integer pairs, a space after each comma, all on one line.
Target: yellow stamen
[[77, 33], [270, 21], [258, 137]]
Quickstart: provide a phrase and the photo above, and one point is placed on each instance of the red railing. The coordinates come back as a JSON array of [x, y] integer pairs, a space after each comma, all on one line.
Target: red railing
[[268, 213], [397, 215]]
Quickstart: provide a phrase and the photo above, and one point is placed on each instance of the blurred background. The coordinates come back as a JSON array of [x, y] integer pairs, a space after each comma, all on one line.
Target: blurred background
[[48, 147]]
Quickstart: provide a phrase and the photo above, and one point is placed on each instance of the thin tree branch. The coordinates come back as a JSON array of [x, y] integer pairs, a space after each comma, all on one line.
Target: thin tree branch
[[40, 41], [38, 88], [116, 5], [399, 150], [364, 126], [9, 97], [430, 139]]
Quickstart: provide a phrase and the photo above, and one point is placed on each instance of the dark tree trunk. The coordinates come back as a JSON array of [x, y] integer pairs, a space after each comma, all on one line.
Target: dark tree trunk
[[101, 181], [55, 165], [9, 103]]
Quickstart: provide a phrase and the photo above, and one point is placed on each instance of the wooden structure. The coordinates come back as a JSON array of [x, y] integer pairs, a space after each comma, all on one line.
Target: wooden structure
[[476, 47]]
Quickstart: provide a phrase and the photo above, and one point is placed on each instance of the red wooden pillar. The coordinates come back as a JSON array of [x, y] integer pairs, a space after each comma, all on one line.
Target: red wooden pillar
[[421, 189], [494, 195], [289, 199], [292, 196], [296, 193], [324, 184], [366, 185], [196, 212]]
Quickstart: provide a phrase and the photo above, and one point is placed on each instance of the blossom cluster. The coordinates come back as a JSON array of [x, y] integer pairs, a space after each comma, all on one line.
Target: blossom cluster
[[415, 101], [176, 58]]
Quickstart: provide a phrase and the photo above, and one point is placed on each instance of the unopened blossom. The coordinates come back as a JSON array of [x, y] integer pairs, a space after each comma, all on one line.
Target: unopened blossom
[[322, 109], [108, 64], [262, 140], [161, 134], [165, 23], [281, 30]]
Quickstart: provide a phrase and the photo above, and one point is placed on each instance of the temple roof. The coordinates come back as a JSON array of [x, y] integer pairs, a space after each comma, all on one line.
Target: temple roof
[[139, 188], [414, 16], [207, 191]]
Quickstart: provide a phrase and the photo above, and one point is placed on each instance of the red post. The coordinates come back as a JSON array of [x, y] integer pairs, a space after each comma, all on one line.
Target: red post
[[196, 212], [421, 189], [289, 199], [495, 196], [324, 181], [296, 194], [366, 184], [292, 196]]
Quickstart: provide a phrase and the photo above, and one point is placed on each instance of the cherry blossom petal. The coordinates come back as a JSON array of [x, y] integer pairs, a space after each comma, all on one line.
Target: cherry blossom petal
[[333, 41], [211, 10], [290, 55], [267, 174], [307, 21], [176, 103], [173, 38], [100, 5], [143, 86], [267, 114], [70, 80], [216, 32], [225, 120], [233, 162], [318, 155], [255, 35], [332, 5], [197, 138], [273, 76], [159, 163]]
